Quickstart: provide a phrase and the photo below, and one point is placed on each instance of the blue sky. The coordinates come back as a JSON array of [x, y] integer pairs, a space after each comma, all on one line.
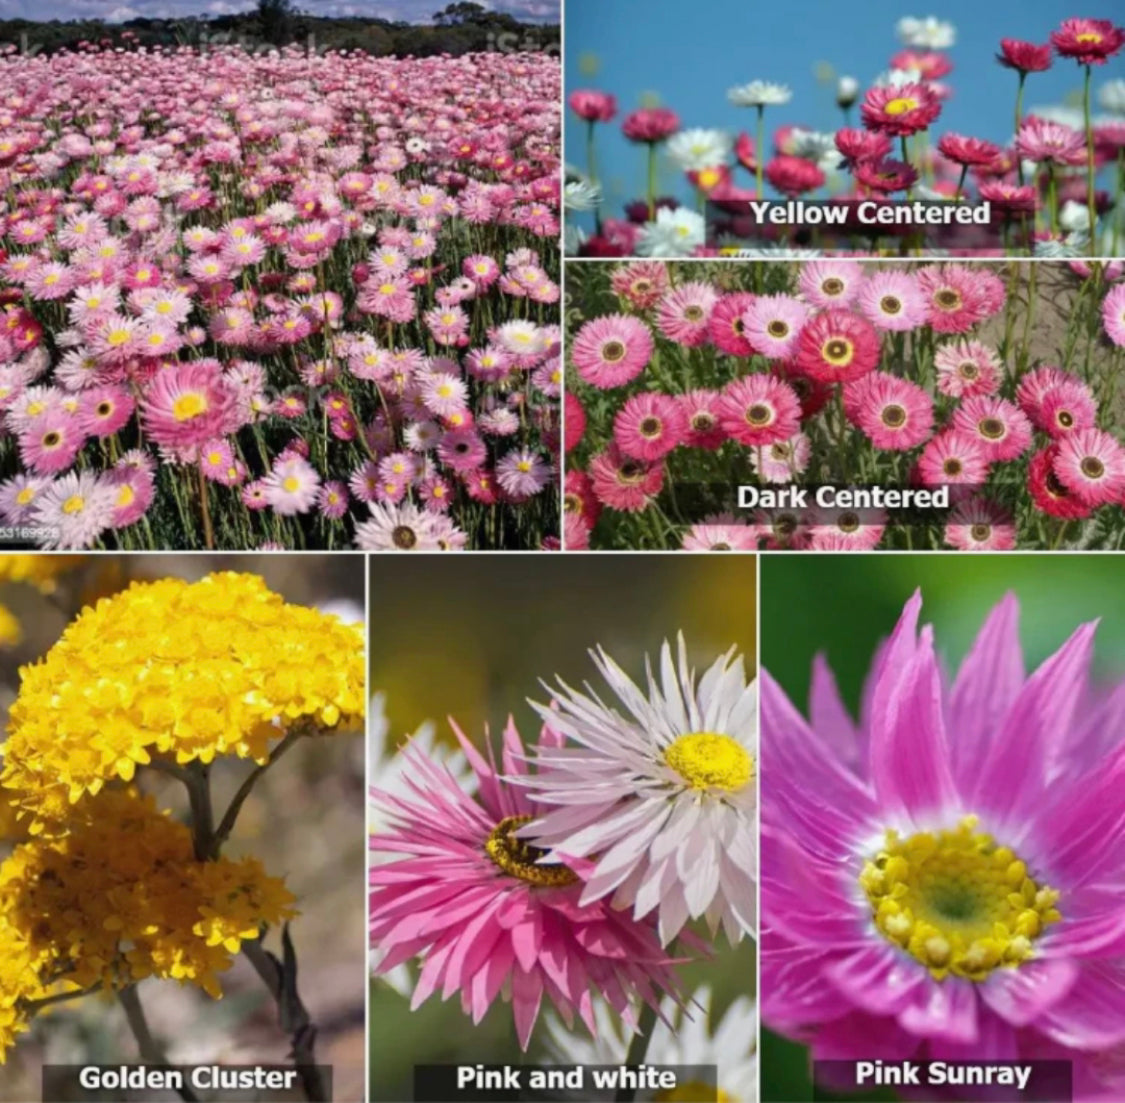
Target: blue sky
[[115, 11], [689, 54]]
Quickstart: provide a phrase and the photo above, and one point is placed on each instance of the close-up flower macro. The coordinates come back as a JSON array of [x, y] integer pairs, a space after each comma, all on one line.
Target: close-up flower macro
[[183, 739], [573, 870], [943, 831]]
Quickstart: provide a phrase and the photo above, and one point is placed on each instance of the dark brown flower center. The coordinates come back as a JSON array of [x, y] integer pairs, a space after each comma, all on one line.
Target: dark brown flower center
[[702, 421], [694, 313], [894, 417], [832, 286], [778, 328], [848, 522], [992, 428], [650, 427], [948, 298], [1065, 418], [968, 370], [759, 414], [613, 351], [952, 467], [890, 304], [1092, 467], [52, 439], [404, 537], [980, 532]]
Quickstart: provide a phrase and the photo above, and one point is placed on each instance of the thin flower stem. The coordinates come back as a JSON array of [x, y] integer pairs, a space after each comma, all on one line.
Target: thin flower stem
[[204, 505], [152, 1052], [1019, 117], [1090, 204], [652, 181], [760, 150], [638, 1047], [281, 981], [230, 816]]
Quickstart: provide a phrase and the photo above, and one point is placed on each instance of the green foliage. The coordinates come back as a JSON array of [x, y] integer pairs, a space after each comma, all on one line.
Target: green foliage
[[459, 28]]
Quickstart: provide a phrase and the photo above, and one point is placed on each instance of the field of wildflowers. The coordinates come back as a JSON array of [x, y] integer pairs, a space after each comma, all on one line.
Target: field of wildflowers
[[1054, 187], [279, 300], [133, 865], [998, 382]]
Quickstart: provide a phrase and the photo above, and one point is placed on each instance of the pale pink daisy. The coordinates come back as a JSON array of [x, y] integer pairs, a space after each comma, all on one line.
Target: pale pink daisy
[[684, 313], [773, 323], [292, 486], [892, 301], [1091, 465], [611, 351], [782, 461], [1000, 426], [966, 369], [522, 473]]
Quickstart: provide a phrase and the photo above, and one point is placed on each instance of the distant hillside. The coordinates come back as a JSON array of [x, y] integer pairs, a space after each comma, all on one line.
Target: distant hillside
[[461, 28]]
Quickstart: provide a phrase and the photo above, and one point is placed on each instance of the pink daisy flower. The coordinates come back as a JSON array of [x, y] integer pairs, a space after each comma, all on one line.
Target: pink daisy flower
[[611, 351], [136, 488], [954, 458], [105, 411], [684, 313], [522, 473], [955, 297], [719, 534], [758, 410], [649, 426], [1034, 387], [966, 369], [845, 529], [726, 328], [958, 900], [292, 486], [1091, 465], [782, 461], [892, 301], [830, 283], [1067, 408], [1113, 314], [773, 323], [51, 442], [462, 449], [74, 510], [895, 414], [444, 393], [455, 886], [977, 524], [899, 110], [701, 415], [1000, 426], [187, 404], [623, 483], [837, 346]]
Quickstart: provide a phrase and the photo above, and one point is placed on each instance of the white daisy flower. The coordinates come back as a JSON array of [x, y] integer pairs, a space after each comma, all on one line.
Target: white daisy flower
[[581, 195], [896, 78], [674, 233], [847, 91], [759, 93], [926, 34], [687, 1038], [664, 796], [699, 148]]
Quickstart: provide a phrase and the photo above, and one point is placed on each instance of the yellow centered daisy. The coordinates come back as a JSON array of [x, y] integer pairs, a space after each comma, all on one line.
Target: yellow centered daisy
[[956, 901], [900, 105], [1089, 36], [189, 405], [838, 351], [292, 485], [708, 760], [518, 858], [693, 1090]]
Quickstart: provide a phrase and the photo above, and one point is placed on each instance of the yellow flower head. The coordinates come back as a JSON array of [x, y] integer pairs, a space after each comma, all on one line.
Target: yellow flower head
[[121, 898], [40, 571], [185, 671]]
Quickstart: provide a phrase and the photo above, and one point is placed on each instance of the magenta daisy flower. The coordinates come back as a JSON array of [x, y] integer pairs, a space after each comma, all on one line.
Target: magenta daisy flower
[[649, 426], [726, 328], [939, 876], [701, 413], [953, 458], [623, 483], [1113, 315], [1067, 408], [486, 914], [611, 351], [955, 297], [189, 403], [773, 323], [899, 111], [684, 313]]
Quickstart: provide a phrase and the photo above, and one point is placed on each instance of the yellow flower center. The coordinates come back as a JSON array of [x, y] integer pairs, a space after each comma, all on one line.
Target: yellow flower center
[[956, 901], [74, 504], [708, 760], [125, 496], [117, 337], [291, 485], [900, 105], [518, 858], [25, 496], [838, 351], [693, 1090], [1089, 36], [188, 406], [524, 466]]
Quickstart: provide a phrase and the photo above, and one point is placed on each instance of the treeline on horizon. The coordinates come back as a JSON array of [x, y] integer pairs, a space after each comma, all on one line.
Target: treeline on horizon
[[459, 28]]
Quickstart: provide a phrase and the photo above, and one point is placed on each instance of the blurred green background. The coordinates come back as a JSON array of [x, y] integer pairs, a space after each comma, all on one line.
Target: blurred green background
[[844, 605], [470, 637]]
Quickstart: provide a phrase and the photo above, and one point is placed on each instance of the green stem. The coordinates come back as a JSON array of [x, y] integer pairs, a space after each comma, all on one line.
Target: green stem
[[1019, 118], [638, 1047], [760, 151], [1090, 205], [652, 181]]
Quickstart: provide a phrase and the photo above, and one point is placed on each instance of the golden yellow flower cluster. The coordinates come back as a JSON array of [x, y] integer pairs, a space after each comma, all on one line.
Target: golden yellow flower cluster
[[40, 571], [184, 671], [118, 899]]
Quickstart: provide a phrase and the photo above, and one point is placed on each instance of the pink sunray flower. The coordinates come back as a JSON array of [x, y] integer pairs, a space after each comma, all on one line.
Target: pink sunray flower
[[455, 886]]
